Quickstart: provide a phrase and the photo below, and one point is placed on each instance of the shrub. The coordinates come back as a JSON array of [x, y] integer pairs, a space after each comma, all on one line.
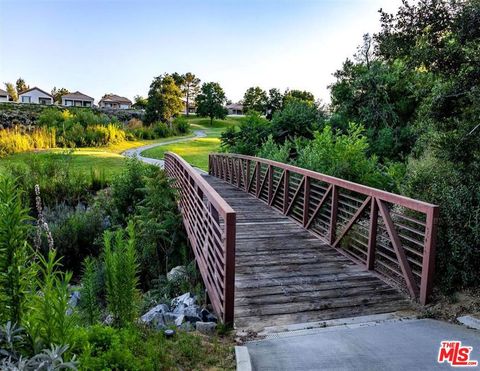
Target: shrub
[[275, 152], [343, 156], [121, 271], [161, 130], [181, 125], [14, 141], [16, 272], [48, 319], [161, 240], [252, 132], [134, 123], [89, 292], [76, 233]]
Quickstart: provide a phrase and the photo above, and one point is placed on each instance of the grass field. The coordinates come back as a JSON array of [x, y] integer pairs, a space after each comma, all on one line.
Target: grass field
[[196, 151], [105, 160]]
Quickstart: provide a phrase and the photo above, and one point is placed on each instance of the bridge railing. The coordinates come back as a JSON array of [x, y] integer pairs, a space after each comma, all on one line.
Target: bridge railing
[[388, 233], [210, 224]]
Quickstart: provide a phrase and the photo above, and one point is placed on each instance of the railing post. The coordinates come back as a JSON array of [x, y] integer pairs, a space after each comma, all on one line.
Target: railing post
[[286, 196], [257, 179], [270, 183], [372, 234], [247, 176], [333, 214], [229, 283], [306, 200], [428, 263]]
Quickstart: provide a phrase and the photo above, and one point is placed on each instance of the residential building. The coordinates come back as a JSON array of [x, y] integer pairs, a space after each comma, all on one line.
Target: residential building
[[36, 96], [77, 99], [115, 101], [235, 109], [3, 96]]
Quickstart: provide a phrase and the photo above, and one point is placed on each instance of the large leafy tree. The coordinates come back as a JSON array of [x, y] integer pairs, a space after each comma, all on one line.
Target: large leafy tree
[[298, 95], [381, 96], [164, 100], [57, 94], [274, 102], [21, 86], [210, 102], [255, 99], [12, 92]]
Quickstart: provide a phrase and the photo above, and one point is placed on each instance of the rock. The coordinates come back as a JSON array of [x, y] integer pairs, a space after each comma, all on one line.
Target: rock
[[170, 318], [185, 299], [177, 273], [179, 320], [192, 314], [73, 301], [206, 328], [155, 316], [207, 316]]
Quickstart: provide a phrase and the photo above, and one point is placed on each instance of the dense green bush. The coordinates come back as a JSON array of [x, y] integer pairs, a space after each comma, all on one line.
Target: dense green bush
[[76, 232], [252, 132], [181, 125], [161, 242], [274, 151]]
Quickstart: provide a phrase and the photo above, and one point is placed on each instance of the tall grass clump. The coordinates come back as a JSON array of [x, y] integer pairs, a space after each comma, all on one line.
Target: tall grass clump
[[121, 273], [14, 140], [89, 292]]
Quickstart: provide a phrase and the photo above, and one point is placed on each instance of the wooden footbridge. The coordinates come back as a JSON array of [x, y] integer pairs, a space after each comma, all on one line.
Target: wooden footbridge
[[277, 244]]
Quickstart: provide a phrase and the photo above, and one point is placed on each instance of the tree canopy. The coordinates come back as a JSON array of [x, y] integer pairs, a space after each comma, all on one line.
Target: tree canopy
[[164, 99], [210, 102], [255, 99]]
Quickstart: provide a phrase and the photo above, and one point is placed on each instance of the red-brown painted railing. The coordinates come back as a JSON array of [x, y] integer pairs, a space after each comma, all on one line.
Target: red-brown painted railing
[[388, 233], [210, 223]]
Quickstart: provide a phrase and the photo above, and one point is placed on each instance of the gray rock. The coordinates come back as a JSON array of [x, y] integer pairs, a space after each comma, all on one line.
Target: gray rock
[[155, 316], [177, 273], [206, 328], [207, 316], [180, 319], [108, 320], [170, 318], [73, 301], [185, 299]]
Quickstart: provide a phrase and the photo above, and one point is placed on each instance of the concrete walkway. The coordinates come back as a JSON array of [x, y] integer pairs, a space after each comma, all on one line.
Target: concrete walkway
[[411, 344], [137, 152]]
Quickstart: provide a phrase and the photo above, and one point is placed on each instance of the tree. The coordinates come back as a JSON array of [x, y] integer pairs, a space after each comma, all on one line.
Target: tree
[[164, 100], [21, 86], [57, 94], [210, 102], [255, 99], [299, 95], [274, 102], [11, 91], [190, 87], [140, 102]]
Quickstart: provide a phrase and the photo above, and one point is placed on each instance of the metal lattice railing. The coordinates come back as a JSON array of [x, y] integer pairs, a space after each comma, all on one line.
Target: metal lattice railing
[[388, 233], [210, 223]]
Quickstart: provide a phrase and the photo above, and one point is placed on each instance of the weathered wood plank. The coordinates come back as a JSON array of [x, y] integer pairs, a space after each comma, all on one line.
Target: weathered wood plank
[[285, 275]]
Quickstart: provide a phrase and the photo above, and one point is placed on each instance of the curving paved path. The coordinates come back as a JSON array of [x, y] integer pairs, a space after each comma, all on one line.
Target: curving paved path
[[137, 152]]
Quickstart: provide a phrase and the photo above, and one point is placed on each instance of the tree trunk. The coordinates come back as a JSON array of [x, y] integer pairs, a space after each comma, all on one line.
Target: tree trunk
[[211, 120], [188, 103]]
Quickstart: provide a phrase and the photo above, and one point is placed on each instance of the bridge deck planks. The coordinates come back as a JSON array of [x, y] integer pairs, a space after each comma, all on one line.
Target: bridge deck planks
[[284, 275]]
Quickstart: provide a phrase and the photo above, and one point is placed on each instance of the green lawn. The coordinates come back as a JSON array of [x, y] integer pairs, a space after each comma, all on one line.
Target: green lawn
[[106, 160], [196, 151]]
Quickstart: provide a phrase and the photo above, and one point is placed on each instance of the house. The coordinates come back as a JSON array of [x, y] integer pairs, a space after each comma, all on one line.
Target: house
[[115, 101], [3, 96], [36, 96], [235, 109], [77, 99]]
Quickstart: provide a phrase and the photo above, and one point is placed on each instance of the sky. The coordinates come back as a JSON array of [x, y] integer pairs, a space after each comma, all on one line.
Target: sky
[[118, 46]]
